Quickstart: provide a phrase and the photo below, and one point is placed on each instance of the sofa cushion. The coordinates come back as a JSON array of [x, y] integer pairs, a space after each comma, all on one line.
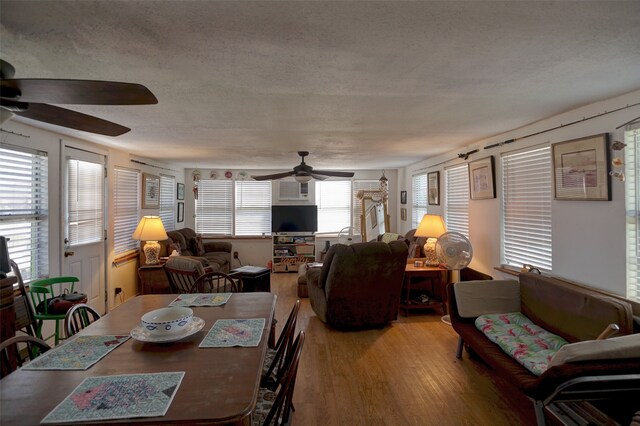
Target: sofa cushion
[[613, 348], [197, 246], [387, 237], [219, 259], [474, 298], [530, 345]]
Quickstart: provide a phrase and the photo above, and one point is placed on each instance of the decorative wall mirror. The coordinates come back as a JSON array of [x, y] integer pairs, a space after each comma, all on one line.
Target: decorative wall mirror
[[374, 219]]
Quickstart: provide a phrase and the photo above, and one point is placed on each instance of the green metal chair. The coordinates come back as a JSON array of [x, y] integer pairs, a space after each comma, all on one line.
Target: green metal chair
[[43, 290]]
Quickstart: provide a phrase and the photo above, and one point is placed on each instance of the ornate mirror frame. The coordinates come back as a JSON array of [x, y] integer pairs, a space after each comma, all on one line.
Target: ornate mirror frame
[[374, 219]]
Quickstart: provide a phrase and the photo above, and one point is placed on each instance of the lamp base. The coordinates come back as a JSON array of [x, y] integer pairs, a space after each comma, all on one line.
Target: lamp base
[[430, 252], [152, 252]]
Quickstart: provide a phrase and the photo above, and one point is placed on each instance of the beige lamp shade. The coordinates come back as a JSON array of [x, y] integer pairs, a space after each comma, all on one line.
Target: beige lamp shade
[[151, 230], [431, 226]]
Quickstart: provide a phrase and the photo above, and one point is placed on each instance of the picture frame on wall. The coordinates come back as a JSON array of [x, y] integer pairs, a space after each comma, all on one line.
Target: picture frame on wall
[[482, 183], [403, 214], [433, 188], [180, 191], [180, 212], [403, 197], [581, 169], [150, 191]]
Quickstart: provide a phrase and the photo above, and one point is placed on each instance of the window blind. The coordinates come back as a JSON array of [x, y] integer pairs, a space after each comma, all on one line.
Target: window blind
[[167, 201], [24, 213], [632, 201], [361, 185], [456, 201], [334, 205], [526, 208], [214, 207], [419, 198], [253, 207], [85, 184], [126, 211]]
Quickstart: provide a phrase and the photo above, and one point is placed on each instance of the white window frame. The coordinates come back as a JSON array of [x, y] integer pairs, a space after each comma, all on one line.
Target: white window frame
[[527, 195], [456, 200], [167, 201], [334, 200], [126, 210], [419, 198], [632, 208]]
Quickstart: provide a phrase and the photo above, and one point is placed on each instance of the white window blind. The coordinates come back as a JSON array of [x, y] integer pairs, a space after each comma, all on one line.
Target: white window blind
[[167, 201], [126, 211], [361, 185], [526, 208], [456, 201], [632, 201], [334, 205], [24, 213], [214, 207], [253, 207], [85, 184], [419, 199]]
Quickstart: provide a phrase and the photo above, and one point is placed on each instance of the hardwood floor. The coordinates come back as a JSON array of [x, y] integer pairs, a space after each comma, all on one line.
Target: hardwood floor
[[404, 374]]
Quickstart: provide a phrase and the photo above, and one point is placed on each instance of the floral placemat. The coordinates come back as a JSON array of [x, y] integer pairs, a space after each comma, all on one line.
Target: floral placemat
[[118, 397], [234, 332], [201, 299], [77, 354]]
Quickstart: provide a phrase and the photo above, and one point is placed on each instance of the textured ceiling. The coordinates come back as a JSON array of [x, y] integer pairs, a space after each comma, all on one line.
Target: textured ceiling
[[359, 84]]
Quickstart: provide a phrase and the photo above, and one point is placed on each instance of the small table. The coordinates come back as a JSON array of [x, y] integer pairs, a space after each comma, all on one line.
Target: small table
[[254, 278], [153, 279], [440, 275]]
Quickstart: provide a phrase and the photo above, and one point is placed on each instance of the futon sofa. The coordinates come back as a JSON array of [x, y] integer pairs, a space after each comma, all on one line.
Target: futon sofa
[[570, 311], [214, 254]]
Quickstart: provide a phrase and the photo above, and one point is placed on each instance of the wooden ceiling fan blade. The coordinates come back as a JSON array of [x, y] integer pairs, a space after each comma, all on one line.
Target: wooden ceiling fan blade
[[273, 176], [6, 69], [71, 119], [78, 92], [331, 173]]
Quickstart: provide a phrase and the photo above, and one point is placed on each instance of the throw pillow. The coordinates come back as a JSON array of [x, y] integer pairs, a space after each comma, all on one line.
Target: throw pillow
[[198, 246], [387, 237]]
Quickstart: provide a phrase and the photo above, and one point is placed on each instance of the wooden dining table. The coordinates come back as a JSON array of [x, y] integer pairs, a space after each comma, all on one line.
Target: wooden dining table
[[220, 385]]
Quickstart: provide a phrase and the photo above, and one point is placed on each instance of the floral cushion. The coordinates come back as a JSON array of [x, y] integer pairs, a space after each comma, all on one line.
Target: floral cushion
[[265, 401], [530, 345]]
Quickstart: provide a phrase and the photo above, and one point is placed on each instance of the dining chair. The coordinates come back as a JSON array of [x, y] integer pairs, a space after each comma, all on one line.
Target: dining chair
[[78, 318], [25, 317], [10, 358], [43, 290], [188, 275], [275, 406], [274, 364]]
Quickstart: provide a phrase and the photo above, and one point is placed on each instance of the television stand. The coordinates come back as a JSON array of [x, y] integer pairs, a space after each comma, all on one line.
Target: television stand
[[290, 250]]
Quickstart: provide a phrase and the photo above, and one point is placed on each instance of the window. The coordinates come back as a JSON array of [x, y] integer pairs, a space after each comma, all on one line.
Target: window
[[167, 201], [456, 202], [214, 207], [85, 199], [253, 208], [632, 200], [126, 213], [334, 205], [361, 185], [526, 208], [419, 202], [24, 212]]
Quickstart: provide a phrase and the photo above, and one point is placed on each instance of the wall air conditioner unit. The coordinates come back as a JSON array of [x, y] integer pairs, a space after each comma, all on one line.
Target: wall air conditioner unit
[[293, 191]]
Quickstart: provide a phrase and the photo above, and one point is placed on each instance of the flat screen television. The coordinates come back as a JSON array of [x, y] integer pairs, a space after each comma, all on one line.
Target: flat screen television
[[298, 218]]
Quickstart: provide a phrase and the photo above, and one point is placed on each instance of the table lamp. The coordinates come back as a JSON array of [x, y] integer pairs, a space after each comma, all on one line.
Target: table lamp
[[431, 226], [151, 230]]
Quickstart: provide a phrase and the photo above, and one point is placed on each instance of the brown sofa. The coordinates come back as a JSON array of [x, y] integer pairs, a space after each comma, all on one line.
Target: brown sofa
[[217, 254], [358, 285], [570, 311]]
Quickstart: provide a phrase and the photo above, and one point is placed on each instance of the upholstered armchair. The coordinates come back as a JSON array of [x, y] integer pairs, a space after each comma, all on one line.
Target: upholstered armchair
[[358, 285]]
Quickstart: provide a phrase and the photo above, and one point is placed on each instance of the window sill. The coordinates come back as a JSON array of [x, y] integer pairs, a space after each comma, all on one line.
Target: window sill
[[122, 259], [507, 270]]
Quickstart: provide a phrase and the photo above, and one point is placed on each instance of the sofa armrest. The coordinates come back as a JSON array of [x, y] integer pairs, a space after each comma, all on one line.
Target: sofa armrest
[[590, 350], [313, 277], [474, 298], [212, 246]]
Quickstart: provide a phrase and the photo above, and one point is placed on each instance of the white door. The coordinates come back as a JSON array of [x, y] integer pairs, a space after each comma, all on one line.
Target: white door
[[83, 175]]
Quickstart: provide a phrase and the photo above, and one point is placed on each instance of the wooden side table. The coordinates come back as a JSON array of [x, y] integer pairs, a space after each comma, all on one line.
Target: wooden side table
[[436, 277], [153, 279]]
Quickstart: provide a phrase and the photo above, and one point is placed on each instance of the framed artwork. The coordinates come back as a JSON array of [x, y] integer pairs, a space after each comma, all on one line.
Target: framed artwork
[[180, 191], [180, 212], [581, 169], [373, 215], [403, 214], [150, 191], [403, 197], [482, 179], [433, 191]]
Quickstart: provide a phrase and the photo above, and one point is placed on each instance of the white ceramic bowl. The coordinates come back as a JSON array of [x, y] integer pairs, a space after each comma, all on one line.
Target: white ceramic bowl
[[167, 321]]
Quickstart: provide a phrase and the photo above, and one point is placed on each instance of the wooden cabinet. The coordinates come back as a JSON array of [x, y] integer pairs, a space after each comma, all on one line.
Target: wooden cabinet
[[289, 251], [153, 279]]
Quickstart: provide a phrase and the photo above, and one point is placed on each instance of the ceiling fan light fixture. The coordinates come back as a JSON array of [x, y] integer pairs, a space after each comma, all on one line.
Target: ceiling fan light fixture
[[303, 178]]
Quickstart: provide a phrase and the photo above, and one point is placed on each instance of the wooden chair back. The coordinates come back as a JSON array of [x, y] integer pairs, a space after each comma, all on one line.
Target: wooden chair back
[[215, 282], [10, 357], [25, 317], [283, 348], [182, 273], [78, 318]]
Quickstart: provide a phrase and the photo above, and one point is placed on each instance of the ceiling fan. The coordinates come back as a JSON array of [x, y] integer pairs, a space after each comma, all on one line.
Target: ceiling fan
[[30, 98], [304, 173]]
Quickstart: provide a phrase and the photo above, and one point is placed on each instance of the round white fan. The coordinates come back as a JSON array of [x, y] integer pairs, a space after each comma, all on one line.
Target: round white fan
[[345, 236], [454, 251]]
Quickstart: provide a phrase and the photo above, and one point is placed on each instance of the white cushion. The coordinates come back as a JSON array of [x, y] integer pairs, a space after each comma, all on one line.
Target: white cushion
[[591, 350], [475, 298]]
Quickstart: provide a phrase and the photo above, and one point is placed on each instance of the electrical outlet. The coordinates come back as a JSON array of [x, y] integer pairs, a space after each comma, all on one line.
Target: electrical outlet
[[118, 290], [235, 254]]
